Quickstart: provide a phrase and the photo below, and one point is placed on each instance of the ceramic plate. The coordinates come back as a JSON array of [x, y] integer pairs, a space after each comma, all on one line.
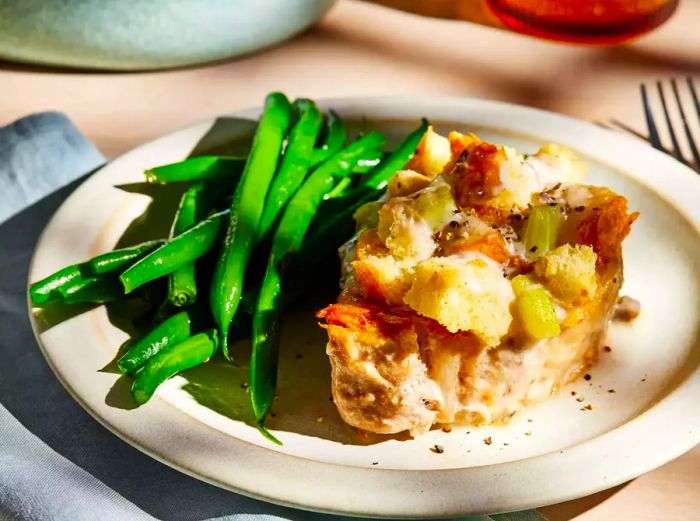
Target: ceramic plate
[[642, 395]]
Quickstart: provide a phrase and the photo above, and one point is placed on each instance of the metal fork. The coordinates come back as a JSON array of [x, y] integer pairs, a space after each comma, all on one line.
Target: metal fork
[[654, 138]]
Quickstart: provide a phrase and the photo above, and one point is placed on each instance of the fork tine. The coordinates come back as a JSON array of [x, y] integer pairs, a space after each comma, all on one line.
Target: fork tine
[[667, 116], [627, 129], [691, 141], [651, 125], [693, 92]]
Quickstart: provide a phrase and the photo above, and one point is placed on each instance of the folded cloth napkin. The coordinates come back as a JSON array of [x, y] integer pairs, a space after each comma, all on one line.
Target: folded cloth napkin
[[56, 462]]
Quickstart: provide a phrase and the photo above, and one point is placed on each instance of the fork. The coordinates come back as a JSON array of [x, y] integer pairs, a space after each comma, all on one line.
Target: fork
[[654, 138]]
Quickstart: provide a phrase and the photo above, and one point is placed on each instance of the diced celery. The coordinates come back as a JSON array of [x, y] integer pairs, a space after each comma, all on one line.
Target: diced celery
[[367, 215], [522, 284], [542, 229], [536, 311], [436, 205]]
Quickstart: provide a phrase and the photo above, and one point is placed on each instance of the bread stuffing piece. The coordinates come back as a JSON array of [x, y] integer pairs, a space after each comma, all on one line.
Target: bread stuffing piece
[[482, 282], [463, 295]]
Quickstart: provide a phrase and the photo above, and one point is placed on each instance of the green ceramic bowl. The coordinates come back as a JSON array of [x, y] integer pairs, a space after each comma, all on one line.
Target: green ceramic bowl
[[146, 34]]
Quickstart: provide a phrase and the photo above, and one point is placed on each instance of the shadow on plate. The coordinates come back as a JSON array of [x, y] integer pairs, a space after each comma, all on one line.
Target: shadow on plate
[[304, 404]]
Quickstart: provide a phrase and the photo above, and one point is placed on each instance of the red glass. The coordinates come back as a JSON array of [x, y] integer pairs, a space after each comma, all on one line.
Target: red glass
[[583, 21]]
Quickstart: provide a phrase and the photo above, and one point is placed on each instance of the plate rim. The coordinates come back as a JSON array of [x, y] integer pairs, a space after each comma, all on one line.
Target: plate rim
[[436, 507]]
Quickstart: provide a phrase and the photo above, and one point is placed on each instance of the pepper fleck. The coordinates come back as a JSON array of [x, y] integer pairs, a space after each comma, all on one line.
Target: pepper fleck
[[611, 390], [533, 249], [586, 377], [437, 449], [607, 349], [375, 463]]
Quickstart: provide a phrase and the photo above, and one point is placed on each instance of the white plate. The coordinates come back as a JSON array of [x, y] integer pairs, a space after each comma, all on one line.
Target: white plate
[[549, 453]]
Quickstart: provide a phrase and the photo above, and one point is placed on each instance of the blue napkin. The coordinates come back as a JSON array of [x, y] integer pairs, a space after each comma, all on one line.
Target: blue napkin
[[57, 462]]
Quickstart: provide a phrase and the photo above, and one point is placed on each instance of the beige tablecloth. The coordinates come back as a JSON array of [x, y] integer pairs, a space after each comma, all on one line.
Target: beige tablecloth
[[363, 49]]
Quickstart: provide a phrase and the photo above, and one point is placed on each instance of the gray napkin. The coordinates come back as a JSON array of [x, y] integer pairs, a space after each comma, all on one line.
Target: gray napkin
[[57, 462]]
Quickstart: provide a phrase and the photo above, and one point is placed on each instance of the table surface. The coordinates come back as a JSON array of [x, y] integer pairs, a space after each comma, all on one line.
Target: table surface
[[397, 53]]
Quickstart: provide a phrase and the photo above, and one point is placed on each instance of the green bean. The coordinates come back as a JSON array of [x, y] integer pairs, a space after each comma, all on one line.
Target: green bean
[[172, 360], [117, 260], [172, 331], [295, 162], [198, 169], [339, 224], [339, 189], [48, 289], [182, 287], [367, 163], [335, 138], [182, 250], [287, 241], [246, 212], [380, 175], [93, 290], [52, 287]]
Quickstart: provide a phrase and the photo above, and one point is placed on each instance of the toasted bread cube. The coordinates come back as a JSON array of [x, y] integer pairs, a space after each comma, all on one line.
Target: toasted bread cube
[[406, 182], [460, 142], [569, 272], [463, 295], [404, 232], [407, 224], [381, 278], [567, 164], [432, 154]]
